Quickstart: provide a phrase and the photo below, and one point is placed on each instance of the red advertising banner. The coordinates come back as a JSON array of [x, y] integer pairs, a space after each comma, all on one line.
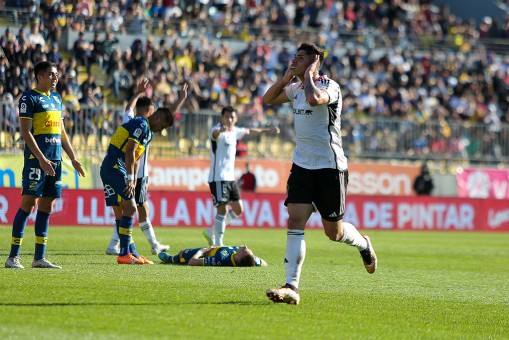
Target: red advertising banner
[[483, 183], [195, 209], [271, 176]]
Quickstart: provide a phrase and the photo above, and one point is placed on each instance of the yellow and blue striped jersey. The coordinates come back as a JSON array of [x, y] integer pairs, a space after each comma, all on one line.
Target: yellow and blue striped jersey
[[220, 257], [47, 119], [137, 129]]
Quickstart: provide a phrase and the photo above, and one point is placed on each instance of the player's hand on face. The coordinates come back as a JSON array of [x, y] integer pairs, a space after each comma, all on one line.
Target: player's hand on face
[[77, 165], [48, 167], [314, 65]]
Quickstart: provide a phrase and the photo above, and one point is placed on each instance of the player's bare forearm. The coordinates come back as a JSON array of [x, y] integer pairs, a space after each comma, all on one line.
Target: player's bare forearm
[[275, 94], [141, 88], [257, 131]]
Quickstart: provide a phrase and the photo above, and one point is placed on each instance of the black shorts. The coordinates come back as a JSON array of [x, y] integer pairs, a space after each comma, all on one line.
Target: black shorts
[[324, 188], [224, 192], [140, 192]]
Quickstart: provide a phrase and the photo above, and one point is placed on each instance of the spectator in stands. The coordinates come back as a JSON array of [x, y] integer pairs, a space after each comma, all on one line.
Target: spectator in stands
[[34, 36], [54, 55], [82, 51], [423, 183], [247, 181]]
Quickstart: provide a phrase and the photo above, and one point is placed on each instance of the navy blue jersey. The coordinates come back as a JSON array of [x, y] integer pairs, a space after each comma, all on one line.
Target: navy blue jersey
[[47, 120], [137, 129], [221, 257]]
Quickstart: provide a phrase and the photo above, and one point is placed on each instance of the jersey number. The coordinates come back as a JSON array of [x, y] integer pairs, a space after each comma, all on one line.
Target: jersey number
[[35, 174]]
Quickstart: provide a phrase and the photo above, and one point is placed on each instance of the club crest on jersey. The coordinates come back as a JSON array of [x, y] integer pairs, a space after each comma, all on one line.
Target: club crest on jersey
[[137, 133]]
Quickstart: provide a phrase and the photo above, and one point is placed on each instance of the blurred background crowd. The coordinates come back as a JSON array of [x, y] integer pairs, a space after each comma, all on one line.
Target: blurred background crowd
[[416, 79]]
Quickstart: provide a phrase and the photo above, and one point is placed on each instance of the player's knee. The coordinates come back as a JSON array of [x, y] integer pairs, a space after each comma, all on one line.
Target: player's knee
[[129, 210]]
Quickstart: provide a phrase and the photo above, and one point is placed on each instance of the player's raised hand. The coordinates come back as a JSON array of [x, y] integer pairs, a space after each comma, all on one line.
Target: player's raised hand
[[79, 167], [184, 86], [143, 85], [313, 67]]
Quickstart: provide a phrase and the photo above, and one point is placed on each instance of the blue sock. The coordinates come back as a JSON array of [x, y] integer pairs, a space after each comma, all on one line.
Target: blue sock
[[132, 249], [125, 231], [18, 231], [41, 234]]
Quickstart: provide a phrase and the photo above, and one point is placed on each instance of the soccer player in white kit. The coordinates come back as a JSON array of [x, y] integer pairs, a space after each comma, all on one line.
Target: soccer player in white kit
[[223, 187], [319, 176]]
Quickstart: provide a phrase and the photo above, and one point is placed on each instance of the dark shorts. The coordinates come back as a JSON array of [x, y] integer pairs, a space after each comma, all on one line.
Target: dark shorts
[[140, 193], [36, 183], [224, 192], [324, 188], [114, 183]]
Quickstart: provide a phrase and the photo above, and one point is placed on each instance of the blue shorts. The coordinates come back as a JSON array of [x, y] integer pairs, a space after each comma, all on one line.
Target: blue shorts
[[114, 183], [35, 182]]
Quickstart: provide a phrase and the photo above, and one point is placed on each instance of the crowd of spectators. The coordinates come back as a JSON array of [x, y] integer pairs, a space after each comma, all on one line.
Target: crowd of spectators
[[462, 81]]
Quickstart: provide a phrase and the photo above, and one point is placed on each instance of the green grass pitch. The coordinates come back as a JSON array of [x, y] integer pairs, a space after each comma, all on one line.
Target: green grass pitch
[[440, 285]]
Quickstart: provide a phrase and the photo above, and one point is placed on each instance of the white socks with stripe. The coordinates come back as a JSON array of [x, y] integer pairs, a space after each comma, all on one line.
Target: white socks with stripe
[[352, 237], [148, 231], [295, 255]]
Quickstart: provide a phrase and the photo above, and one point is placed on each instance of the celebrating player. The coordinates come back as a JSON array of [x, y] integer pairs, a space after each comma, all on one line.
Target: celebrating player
[[319, 174], [223, 187]]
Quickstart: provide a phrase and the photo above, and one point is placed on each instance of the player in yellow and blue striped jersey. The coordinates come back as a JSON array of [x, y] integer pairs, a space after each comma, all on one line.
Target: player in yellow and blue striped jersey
[[220, 256], [42, 129]]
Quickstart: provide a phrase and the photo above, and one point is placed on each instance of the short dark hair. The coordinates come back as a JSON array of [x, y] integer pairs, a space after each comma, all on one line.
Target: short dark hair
[[43, 66], [227, 109], [311, 48], [143, 103], [246, 261], [168, 115]]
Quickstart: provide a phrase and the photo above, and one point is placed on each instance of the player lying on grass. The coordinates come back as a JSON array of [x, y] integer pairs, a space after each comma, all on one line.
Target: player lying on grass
[[224, 256]]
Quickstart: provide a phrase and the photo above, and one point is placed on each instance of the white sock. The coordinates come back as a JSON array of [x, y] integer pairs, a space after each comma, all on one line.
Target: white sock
[[148, 231], [219, 228], [352, 237], [295, 255], [230, 217], [115, 240]]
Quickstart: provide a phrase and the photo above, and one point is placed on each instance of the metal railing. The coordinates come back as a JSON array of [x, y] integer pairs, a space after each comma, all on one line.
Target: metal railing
[[90, 129]]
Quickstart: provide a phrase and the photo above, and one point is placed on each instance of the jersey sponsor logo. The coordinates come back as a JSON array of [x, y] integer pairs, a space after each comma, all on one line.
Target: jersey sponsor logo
[[53, 105], [137, 133], [303, 112], [23, 108], [50, 123], [45, 106], [56, 99], [53, 140], [42, 100]]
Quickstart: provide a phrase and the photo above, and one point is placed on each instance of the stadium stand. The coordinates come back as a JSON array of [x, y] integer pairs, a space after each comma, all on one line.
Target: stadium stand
[[417, 81]]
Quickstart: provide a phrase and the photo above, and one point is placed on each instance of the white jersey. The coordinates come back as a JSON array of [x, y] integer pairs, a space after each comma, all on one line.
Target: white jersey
[[222, 153], [142, 170], [317, 129]]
